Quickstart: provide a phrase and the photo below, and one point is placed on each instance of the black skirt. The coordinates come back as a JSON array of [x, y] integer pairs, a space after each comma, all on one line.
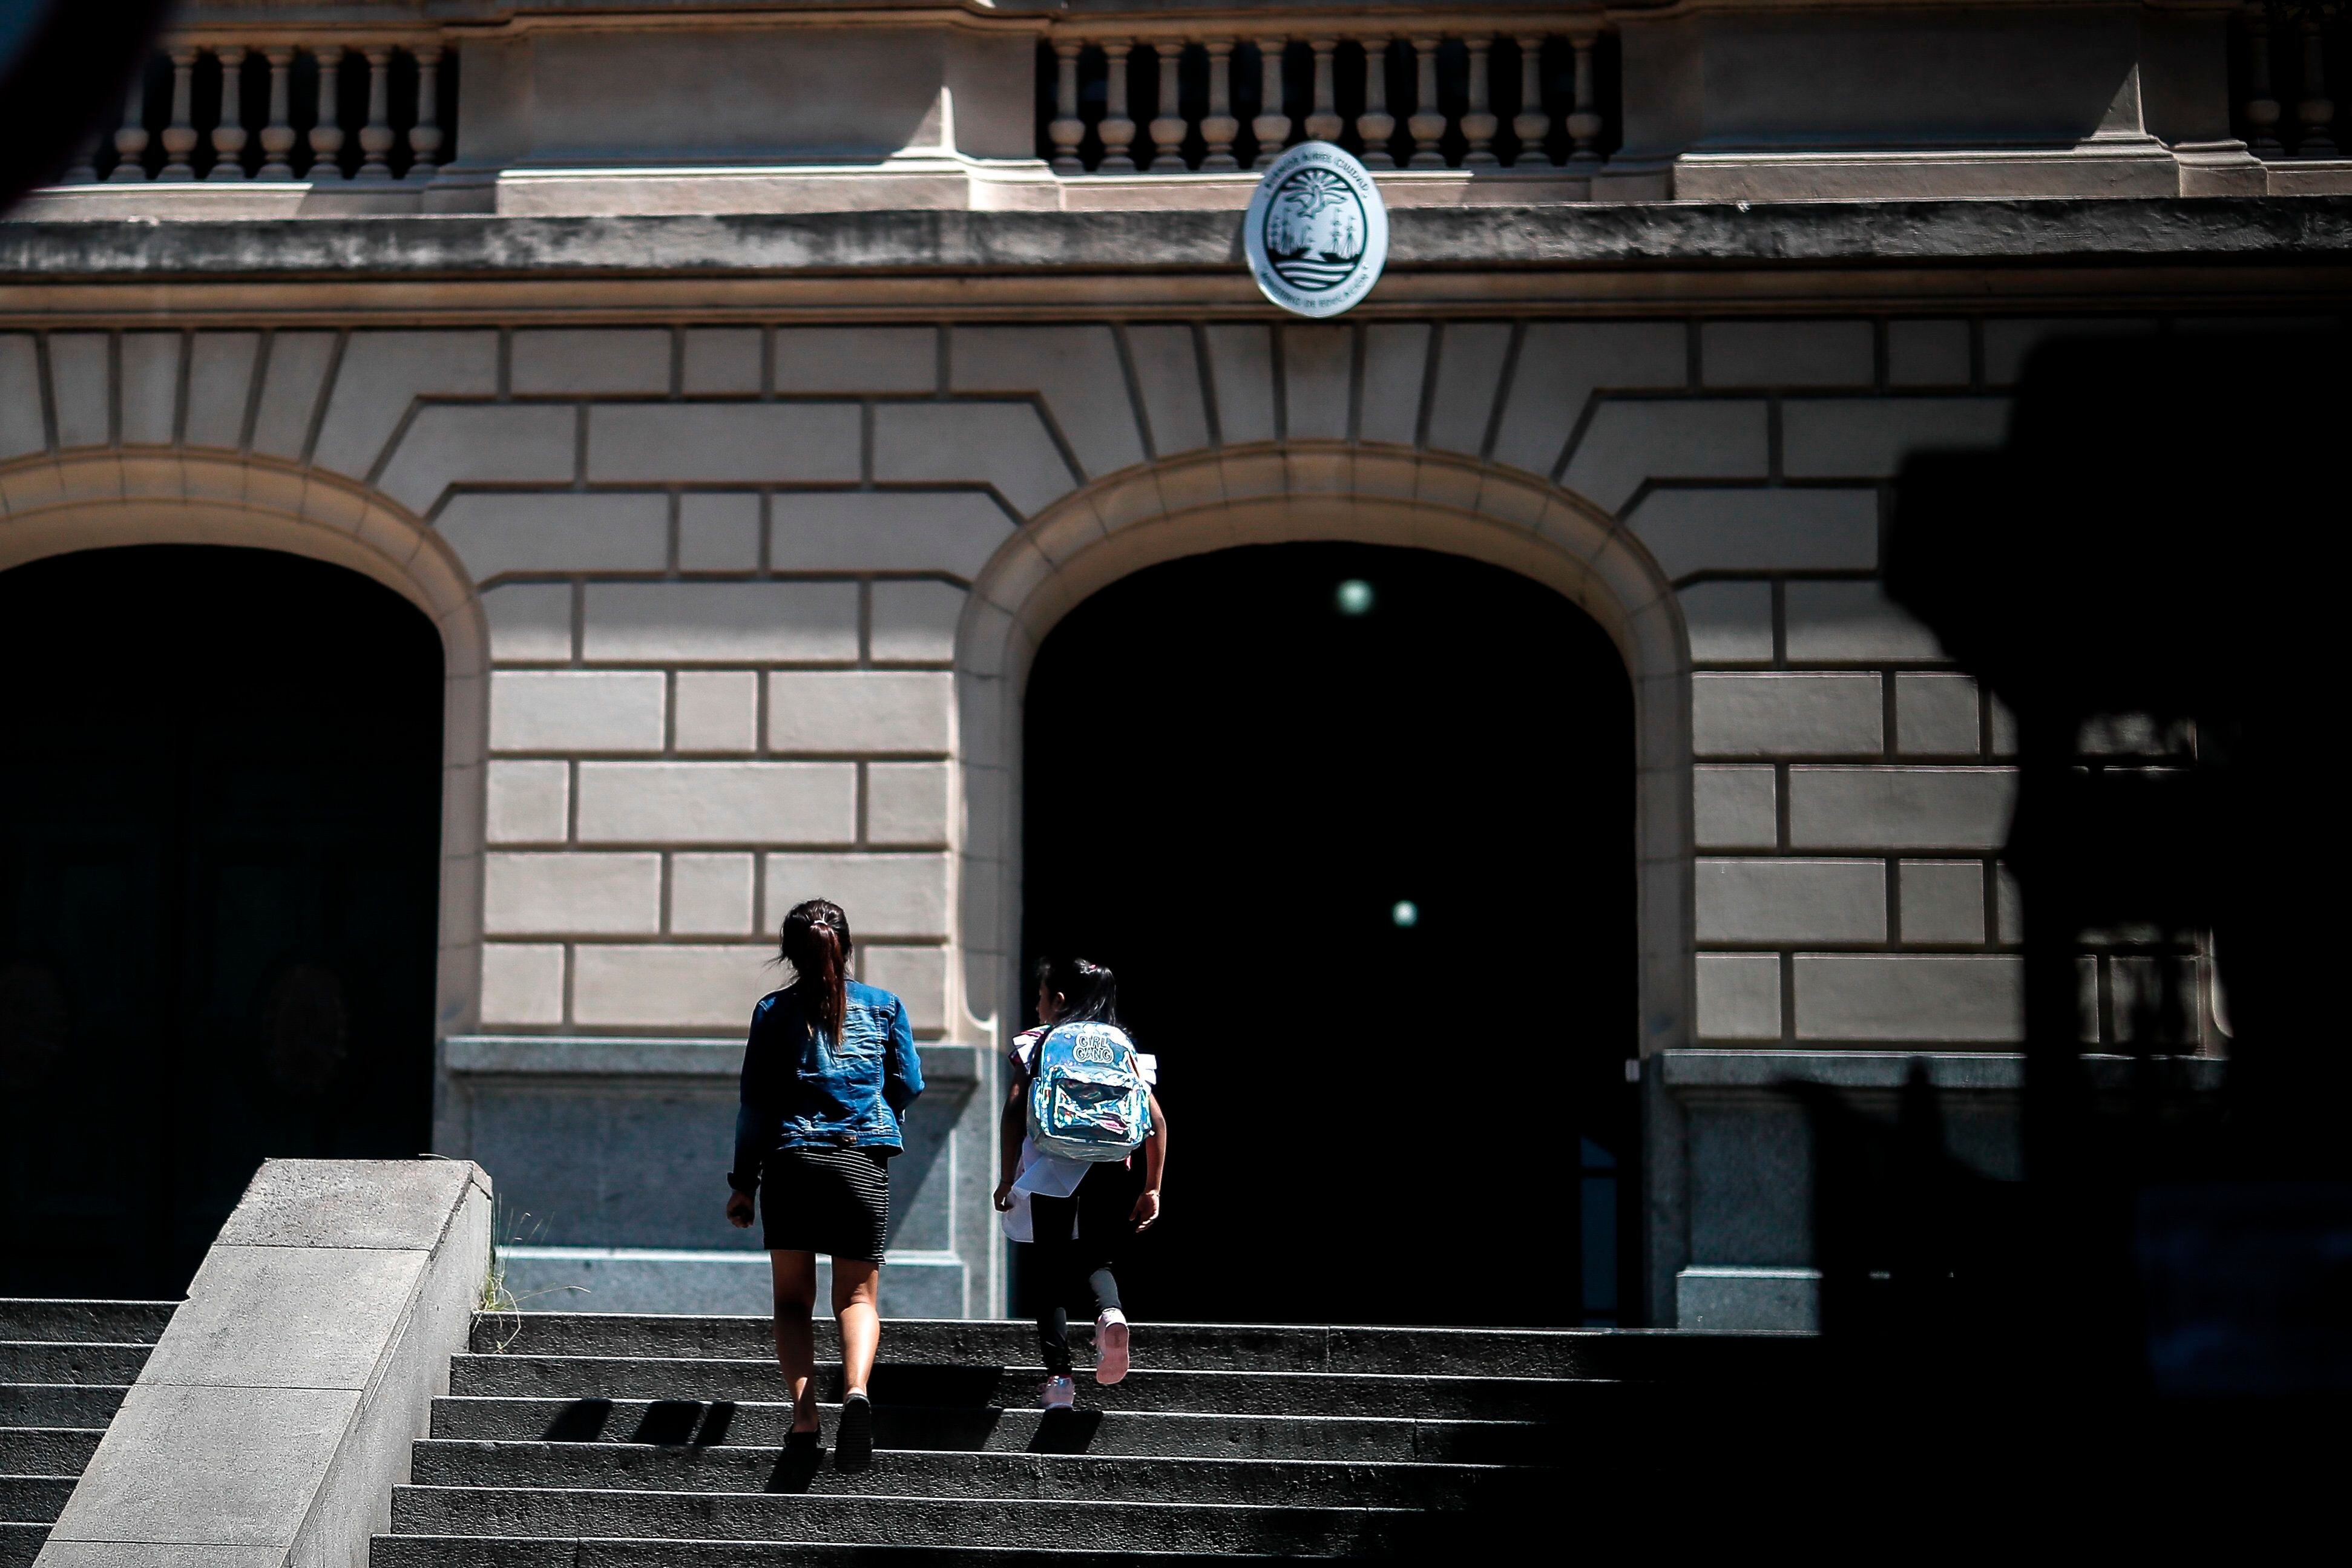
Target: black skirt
[[834, 1201]]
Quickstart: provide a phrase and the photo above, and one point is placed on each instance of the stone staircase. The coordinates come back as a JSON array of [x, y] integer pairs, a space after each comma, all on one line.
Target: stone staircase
[[64, 1369], [579, 1439]]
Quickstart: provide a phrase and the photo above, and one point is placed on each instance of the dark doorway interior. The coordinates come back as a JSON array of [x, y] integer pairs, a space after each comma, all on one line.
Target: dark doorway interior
[[219, 847], [1241, 769]]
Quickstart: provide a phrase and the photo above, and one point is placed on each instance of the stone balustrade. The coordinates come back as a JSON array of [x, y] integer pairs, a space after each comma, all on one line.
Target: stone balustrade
[[1445, 90], [2287, 49], [369, 109]]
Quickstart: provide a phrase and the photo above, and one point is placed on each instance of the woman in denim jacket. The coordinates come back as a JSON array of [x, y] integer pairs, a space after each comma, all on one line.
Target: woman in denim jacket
[[828, 1073]]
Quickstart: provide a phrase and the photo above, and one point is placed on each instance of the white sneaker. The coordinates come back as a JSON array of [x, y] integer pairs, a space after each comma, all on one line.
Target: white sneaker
[[1110, 1346], [1058, 1393]]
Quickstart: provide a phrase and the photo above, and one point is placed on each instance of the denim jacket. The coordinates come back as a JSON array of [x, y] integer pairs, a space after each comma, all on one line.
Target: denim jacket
[[802, 1090]]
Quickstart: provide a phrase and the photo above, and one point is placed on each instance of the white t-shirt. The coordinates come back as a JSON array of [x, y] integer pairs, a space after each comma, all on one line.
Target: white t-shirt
[[1048, 1174]]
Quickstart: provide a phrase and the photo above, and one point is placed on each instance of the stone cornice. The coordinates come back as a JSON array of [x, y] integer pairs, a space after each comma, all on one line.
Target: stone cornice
[[2276, 228], [2283, 251]]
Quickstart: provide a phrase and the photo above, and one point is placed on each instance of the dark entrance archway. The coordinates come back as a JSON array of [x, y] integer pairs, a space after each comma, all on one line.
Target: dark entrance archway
[[1355, 825], [219, 852]]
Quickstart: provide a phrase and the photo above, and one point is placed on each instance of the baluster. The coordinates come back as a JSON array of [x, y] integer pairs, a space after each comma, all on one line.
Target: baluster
[[1426, 125], [375, 136], [83, 170], [1323, 122], [1272, 125], [1531, 125], [180, 136], [1478, 121], [278, 136], [2314, 112], [130, 138], [1118, 130], [326, 130], [1584, 120], [228, 136], [1218, 126], [424, 136], [1066, 129], [1376, 124], [2262, 109], [1168, 124]]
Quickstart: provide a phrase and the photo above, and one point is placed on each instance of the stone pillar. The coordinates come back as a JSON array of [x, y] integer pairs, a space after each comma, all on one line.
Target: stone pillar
[[1584, 120], [1066, 129], [424, 136], [375, 136], [1427, 124], [278, 136], [1323, 121], [1218, 126], [2262, 106], [1118, 130], [83, 170], [1167, 125], [130, 139], [1376, 124], [179, 135], [1532, 124], [327, 132], [1478, 121], [2314, 112], [229, 135], [1272, 125]]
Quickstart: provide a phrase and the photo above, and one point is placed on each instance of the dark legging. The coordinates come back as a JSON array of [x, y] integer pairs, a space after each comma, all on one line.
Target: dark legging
[[1103, 1205]]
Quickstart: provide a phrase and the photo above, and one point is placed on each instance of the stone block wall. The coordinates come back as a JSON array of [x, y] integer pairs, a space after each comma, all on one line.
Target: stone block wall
[[723, 569]]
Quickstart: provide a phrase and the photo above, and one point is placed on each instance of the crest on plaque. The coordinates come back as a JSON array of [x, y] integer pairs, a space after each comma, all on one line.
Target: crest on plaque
[[1317, 232]]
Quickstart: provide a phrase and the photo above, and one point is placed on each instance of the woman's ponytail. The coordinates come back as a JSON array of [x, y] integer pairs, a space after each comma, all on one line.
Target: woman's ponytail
[[815, 943], [1088, 990]]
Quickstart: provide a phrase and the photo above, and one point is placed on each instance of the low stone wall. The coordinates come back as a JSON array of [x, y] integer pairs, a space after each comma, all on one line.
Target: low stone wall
[[277, 1412], [610, 1155], [1732, 1160]]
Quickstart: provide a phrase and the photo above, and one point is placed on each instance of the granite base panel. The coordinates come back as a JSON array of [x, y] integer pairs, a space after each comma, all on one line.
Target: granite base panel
[[634, 1280], [1747, 1300]]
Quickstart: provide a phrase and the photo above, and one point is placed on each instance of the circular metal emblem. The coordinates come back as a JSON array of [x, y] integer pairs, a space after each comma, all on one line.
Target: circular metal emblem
[[1316, 233]]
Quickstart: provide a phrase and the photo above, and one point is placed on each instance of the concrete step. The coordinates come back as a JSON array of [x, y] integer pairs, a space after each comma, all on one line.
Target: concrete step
[[1517, 1353], [71, 1361], [994, 1430], [1287, 1483], [112, 1323], [60, 1404], [34, 1500], [20, 1543], [909, 1520], [899, 1382], [46, 1450], [516, 1552]]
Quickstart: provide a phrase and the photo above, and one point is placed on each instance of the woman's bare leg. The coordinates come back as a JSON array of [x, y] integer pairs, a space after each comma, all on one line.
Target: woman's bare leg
[[855, 1285], [795, 1277]]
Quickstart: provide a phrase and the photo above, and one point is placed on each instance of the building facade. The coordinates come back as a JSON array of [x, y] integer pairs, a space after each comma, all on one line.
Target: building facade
[[746, 394]]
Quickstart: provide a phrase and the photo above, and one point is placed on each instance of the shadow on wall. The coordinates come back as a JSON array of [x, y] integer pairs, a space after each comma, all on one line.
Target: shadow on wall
[[63, 66], [2174, 1273]]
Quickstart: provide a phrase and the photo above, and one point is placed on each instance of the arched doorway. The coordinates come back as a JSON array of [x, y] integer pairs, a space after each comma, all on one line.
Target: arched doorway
[[1355, 825], [219, 855]]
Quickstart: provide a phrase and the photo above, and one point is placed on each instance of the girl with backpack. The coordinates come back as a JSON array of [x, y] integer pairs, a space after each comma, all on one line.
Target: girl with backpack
[[1085, 1145], [828, 1073]]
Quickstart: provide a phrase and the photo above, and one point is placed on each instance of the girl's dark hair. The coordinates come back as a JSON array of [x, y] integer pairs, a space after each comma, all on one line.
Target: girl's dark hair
[[815, 943], [1090, 990]]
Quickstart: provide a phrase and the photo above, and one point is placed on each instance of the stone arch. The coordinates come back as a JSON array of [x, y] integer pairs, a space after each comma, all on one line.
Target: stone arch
[[95, 499], [1303, 491]]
